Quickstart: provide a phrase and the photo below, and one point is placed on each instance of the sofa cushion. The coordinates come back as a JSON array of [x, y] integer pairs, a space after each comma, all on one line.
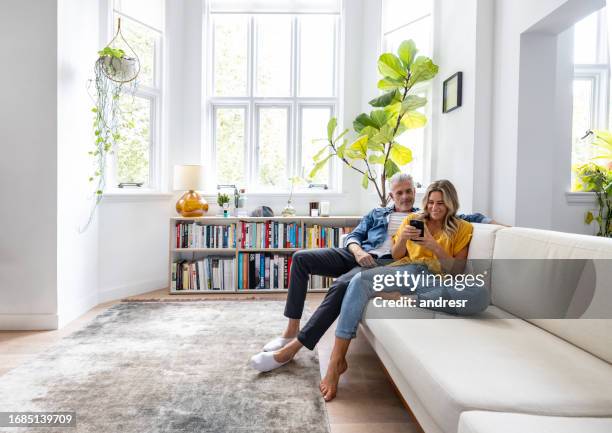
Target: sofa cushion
[[483, 241], [540, 290], [488, 422], [505, 365]]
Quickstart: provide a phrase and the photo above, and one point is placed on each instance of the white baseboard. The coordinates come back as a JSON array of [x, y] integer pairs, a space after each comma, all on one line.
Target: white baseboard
[[130, 290], [77, 308], [28, 322]]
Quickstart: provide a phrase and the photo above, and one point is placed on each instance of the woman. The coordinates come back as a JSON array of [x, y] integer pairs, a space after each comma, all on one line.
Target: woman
[[442, 249]]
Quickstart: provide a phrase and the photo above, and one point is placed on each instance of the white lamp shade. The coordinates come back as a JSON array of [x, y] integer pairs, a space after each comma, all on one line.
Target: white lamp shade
[[188, 177]]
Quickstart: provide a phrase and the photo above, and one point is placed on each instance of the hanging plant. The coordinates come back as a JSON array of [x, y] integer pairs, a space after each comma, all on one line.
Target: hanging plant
[[116, 70]]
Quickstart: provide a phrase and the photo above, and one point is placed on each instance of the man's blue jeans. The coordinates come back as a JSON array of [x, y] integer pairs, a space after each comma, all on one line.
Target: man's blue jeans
[[360, 290]]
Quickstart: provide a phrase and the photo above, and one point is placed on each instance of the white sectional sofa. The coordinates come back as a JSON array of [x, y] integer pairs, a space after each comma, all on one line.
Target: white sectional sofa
[[502, 371]]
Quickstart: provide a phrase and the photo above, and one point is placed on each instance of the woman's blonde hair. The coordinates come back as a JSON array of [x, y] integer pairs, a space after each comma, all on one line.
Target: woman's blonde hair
[[450, 224]]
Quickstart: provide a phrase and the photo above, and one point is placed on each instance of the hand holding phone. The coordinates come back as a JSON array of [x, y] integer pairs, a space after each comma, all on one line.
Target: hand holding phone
[[418, 224]]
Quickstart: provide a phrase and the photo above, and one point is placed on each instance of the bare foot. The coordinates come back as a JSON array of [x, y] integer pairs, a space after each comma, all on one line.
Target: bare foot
[[329, 384]]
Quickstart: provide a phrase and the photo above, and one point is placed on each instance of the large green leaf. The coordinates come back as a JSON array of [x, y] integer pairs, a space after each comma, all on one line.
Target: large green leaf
[[360, 146], [390, 84], [376, 159], [390, 168], [377, 147], [379, 117], [389, 65], [341, 149], [320, 153], [399, 154], [422, 69], [340, 136], [365, 181], [413, 102], [362, 121], [406, 52], [385, 135], [318, 166], [414, 119], [370, 131], [331, 127], [386, 99]]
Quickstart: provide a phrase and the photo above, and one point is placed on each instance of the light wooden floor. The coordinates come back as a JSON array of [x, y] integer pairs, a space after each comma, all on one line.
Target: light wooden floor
[[366, 400]]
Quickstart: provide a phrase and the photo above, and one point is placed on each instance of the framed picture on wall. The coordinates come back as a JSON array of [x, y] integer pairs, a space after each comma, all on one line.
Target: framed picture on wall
[[451, 92]]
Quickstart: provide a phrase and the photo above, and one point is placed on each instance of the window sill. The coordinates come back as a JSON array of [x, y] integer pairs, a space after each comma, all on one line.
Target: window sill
[[133, 195], [580, 198], [285, 195]]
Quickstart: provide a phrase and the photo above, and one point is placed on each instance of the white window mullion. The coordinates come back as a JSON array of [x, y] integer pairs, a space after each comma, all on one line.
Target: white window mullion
[[251, 163]]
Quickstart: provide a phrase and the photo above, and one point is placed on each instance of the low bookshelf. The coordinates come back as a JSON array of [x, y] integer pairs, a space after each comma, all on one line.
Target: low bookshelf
[[216, 254]]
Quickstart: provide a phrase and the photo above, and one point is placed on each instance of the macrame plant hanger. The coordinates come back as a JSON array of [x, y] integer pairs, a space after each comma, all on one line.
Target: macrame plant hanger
[[116, 68], [122, 70]]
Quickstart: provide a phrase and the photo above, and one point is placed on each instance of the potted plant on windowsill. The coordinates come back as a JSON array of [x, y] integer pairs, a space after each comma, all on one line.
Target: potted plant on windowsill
[[596, 176]]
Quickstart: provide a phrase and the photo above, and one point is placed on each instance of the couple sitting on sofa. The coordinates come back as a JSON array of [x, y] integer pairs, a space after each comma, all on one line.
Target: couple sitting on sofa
[[383, 234]]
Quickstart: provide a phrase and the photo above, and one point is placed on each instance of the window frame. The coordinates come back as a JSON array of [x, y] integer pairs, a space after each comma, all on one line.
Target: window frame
[[253, 104], [599, 76], [154, 94]]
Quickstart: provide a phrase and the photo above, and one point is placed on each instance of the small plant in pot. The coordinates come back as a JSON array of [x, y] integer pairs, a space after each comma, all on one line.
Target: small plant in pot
[[223, 200], [116, 65]]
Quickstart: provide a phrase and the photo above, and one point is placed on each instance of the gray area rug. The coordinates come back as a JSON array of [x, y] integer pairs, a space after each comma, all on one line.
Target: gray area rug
[[171, 367]]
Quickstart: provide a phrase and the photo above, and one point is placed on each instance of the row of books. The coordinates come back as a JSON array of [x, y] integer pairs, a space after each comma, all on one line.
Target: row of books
[[209, 273], [270, 234], [260, 271], [325, 237], [196, 235]]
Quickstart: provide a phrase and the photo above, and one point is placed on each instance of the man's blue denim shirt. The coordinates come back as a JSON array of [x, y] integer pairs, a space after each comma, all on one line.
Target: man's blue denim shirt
[[372, 229]]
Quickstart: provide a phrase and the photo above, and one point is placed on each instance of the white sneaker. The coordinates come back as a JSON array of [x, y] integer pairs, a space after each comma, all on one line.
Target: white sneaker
[[264, 361], [277, 344]]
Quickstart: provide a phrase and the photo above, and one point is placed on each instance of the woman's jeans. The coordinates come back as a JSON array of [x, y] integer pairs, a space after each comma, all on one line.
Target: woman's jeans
[[362, 288]]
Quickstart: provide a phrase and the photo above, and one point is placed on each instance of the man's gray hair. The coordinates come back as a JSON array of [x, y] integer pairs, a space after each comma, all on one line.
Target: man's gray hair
[[400, 177]]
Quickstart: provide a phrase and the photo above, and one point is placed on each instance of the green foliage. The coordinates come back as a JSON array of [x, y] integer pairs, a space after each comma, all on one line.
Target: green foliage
[[222, 198], [112, 52], [598, 179], [375, 152]]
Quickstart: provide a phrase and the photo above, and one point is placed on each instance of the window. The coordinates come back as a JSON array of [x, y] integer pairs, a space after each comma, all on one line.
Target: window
[[271, 88], [591, 82], [137, 154], [414, 22]]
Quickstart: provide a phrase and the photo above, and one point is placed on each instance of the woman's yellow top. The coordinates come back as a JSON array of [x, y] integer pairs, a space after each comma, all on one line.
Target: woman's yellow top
[[420, 254]]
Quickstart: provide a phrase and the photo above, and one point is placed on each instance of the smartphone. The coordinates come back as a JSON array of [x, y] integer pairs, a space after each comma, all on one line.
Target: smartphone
[[419, 225]]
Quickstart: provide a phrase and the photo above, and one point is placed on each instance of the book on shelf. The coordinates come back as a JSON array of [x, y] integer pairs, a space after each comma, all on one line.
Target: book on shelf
[[318, 236], [270, 234], [319, 282], [209, 273], [197, 235], [261, 271]]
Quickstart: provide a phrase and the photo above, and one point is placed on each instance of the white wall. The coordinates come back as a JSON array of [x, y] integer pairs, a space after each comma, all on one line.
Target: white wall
[[133, 240], [461, 138], [77, 253], [530, 103], [28, 167]]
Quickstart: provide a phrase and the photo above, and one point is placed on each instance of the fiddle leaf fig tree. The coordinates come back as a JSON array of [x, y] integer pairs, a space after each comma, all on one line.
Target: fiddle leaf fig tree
[[375, 153]]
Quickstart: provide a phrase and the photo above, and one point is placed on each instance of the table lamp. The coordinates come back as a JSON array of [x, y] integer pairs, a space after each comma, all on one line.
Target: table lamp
[[190, 178]]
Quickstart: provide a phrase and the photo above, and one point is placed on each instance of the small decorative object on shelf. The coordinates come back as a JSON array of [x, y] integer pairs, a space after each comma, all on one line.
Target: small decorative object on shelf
[[223, 201], [241, 203], [262, 211], [190, 178], [324, 209], [314, 208]]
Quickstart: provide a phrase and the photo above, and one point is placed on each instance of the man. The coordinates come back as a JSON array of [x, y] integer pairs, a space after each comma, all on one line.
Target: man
[[368, 245]]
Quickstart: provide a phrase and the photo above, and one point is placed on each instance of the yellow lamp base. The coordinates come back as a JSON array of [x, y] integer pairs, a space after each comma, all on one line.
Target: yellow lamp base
[[191, 204]]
